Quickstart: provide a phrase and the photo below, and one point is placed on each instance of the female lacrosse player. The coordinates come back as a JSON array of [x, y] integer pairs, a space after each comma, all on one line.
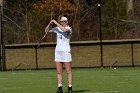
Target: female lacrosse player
[[62, 51]]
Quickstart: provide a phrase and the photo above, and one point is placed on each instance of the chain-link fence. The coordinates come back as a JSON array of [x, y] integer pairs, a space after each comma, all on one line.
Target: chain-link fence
[[84, 54]]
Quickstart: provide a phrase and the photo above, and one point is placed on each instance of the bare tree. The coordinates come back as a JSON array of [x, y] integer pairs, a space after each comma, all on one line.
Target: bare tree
[[18, 13], [25, 8]]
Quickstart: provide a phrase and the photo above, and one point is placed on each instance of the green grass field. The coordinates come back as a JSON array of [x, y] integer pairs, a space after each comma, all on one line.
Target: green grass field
[[96, 80]]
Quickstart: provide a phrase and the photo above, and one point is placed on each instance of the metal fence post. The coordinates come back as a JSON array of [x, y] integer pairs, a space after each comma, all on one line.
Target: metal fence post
[[36, 55], [2, 47], [100, 23], [132, 54]]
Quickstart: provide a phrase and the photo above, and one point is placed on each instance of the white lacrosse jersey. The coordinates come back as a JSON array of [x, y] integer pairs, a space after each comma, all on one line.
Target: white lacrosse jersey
[[63, 39]]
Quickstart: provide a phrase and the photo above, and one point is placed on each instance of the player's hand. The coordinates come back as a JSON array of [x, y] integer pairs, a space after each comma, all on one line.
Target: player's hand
[[53, 21]]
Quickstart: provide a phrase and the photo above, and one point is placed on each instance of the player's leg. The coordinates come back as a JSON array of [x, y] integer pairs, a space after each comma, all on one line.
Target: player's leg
[[59, 67], [69, 75]]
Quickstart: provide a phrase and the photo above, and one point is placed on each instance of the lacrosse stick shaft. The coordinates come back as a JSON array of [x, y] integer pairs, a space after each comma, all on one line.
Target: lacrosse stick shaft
[[46, 31]]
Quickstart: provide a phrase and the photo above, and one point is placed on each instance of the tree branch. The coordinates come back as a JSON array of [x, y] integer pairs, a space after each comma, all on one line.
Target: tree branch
[[14, 22], [129, 21]]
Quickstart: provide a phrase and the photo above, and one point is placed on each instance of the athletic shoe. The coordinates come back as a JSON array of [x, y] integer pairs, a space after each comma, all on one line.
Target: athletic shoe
[[70, 90], [60, 90]]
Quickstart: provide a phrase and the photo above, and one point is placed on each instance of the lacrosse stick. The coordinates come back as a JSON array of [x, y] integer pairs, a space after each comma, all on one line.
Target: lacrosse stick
[[46, 32]]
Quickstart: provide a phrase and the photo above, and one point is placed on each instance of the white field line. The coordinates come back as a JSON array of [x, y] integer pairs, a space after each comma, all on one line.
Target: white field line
[[108, 92], [113, 91], [12, 88]]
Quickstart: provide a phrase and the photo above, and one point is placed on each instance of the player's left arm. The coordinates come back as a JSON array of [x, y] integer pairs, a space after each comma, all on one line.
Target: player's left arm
[[61, 27]]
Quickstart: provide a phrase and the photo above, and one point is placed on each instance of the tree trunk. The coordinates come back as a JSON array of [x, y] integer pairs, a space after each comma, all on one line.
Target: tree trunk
[[130, 6]]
